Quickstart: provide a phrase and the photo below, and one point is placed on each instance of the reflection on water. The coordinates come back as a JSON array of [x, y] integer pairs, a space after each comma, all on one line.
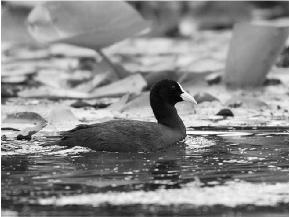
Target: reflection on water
[[212, 171]]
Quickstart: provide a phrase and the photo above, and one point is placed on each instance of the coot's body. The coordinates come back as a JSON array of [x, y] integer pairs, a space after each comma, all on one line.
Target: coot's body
[[123, 136], [137, 136]]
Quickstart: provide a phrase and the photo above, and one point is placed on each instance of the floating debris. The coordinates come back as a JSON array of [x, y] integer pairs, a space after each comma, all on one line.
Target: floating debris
[[225, 113]]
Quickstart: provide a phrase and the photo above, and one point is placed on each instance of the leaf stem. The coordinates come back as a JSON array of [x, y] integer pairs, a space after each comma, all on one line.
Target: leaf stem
[[106, 59]]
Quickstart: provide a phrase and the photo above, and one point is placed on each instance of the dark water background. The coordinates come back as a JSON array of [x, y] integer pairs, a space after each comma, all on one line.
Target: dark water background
[[39, 180]]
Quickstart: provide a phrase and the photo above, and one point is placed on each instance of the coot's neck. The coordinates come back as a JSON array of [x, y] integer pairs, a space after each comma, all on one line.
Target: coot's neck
[[166, 114]]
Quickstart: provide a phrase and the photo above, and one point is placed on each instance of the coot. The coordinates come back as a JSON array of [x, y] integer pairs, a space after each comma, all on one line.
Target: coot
[[137, 136]]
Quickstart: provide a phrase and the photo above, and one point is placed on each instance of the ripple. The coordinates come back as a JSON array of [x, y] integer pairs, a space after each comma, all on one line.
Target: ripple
[[25, 148]]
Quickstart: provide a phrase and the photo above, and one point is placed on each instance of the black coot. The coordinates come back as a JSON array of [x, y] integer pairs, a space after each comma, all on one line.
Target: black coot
[[137, 136]]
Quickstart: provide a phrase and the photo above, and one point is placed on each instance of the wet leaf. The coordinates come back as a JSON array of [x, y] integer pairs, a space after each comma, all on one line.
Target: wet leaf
[[91, 103], [28, 122], [67, 50], [138, 103], [19, 79], [249, 102], [26, 133], [225, 113], [60, 119], [118, 106], [23, 118], [29, 54], [103, 24], [204, 97], [206, 65], [132, 84], [102, 73], [55, 78], [17, 69], [51, 92], [94, 115], [93, 83], [3, 137], [272, 82], [213, 78], [9, 90], [283, 59]]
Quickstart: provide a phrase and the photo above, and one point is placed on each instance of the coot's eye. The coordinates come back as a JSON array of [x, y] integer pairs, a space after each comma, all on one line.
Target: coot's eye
[[174, 87]]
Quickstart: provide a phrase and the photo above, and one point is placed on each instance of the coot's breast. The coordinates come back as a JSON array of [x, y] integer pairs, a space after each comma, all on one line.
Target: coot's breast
[[116, 136]]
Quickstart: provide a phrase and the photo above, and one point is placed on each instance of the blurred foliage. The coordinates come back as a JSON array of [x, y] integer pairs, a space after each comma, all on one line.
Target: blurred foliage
[[172, 19], [169, 16]]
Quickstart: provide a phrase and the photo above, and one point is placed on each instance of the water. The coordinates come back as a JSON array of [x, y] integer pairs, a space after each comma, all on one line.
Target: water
[[214, 172]]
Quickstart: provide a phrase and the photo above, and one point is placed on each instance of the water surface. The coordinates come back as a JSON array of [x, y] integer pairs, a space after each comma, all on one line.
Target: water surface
[[214, 172]]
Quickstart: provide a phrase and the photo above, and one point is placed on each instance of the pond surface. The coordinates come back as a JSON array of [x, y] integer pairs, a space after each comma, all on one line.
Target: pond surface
[[215, 172]]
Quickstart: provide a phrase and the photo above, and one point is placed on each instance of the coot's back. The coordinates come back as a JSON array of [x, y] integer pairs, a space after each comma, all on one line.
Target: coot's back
[[116, 136]]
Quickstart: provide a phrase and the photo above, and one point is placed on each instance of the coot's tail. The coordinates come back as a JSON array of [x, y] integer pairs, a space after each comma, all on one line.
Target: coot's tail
[[54, 140], [71, 138]]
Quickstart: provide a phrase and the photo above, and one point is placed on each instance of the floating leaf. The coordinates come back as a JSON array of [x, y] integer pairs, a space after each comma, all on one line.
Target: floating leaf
[[89, 24], [96, 81], [18, 69], [118, 106], [272, 81], [26, 133], [68, 50], [8, 90], [57, 78], [28, 122], [60, 119], [132, 84], [14, 79], [23, 118], [249, 102], [51, 92], [225, 113], [204, 97], [138, 103], [213, 78]]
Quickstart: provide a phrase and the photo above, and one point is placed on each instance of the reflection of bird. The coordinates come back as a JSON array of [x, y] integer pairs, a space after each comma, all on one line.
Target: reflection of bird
[[165, 173], [132, 135]]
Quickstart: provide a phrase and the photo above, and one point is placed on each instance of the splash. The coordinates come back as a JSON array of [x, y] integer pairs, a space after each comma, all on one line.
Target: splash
[[198, 142], [26, 148]]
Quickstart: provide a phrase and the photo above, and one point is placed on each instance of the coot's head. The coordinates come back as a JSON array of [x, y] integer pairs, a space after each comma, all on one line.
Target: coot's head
[[171, 92]]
